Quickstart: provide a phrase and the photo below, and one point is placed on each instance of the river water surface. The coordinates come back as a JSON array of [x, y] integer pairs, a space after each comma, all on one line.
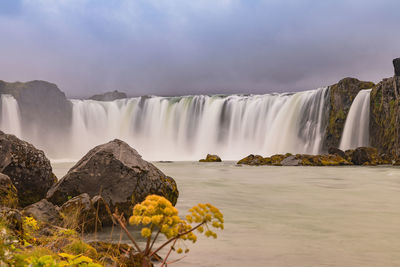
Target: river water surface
[[291, 216]]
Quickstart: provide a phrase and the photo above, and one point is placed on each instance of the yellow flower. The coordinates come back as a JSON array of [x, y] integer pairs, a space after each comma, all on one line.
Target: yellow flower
[[146, 220], [146, 232], [179, 251]]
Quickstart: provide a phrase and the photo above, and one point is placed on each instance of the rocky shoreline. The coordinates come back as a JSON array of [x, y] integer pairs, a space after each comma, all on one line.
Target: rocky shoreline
[[362, 156], [111, 177], [113, 174]]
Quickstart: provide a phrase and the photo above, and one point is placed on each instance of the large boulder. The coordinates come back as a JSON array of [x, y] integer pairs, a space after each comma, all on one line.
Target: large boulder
[[396, 65], [384, 126], [119, 173], [28, 168], [8, 192], [211, 158], [364, 156], [341, 97], [109, 96], [44, 211], [336, 151]]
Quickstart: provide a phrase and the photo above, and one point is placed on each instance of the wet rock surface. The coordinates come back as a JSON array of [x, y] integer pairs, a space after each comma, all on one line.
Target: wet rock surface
[[28, 168]]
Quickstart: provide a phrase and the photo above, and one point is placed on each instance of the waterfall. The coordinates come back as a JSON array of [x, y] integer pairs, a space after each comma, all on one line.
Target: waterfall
[[189, 127], [10, 122], [356, 128]]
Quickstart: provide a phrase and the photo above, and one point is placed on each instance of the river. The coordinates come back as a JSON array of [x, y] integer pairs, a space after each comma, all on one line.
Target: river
[[291, 216]]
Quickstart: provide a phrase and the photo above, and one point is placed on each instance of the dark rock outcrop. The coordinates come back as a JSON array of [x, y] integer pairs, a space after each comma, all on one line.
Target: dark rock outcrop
[[44, 211], [8, 192], [40, 103], [119, 172], [396, 65], [28, 168], [211, 158], [46, 113], [295, 160], [252, 160], [342, 95], [336, 151], [109, 96], [364, 156], [384, 127]]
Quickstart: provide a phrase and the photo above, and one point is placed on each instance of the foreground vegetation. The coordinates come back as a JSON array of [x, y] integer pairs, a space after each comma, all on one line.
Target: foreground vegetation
[[28, 242]]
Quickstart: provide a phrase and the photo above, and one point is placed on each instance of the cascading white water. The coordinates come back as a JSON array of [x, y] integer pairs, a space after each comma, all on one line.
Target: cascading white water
[[187, 128], [356, 128], [10, 122]]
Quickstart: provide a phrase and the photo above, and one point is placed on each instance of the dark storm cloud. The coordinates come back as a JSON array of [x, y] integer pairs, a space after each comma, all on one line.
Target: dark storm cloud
[[189, 47]]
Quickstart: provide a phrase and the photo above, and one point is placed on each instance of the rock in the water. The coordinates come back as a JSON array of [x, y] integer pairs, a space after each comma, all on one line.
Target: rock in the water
[[8, 192], [28, 168], [211, 158], [78, 213], [44, 211], [396, 64], [336, 151], [252, 160], [109, 96], [290, 161], [365, 156], [120, 172]]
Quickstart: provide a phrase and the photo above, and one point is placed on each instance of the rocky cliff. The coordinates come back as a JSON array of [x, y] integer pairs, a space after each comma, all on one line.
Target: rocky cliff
[[44, 109], [384, 124], [342, 95]]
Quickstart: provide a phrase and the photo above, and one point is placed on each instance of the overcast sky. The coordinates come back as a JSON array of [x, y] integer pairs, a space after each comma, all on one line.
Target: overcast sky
[[178, 47]]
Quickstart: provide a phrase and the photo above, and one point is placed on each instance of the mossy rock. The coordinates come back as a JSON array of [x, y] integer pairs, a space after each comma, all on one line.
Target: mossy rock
[[8, 192], [341, 96], [211, 158]]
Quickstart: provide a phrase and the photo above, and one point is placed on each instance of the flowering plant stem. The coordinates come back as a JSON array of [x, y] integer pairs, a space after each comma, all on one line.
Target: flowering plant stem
[[176, 238]]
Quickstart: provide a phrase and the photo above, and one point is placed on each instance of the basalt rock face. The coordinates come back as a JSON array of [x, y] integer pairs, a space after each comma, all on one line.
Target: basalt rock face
[[384, 127], [28, 168], [342, 95], [109, 96], [119, 173], [396, 65], [44, 109]]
